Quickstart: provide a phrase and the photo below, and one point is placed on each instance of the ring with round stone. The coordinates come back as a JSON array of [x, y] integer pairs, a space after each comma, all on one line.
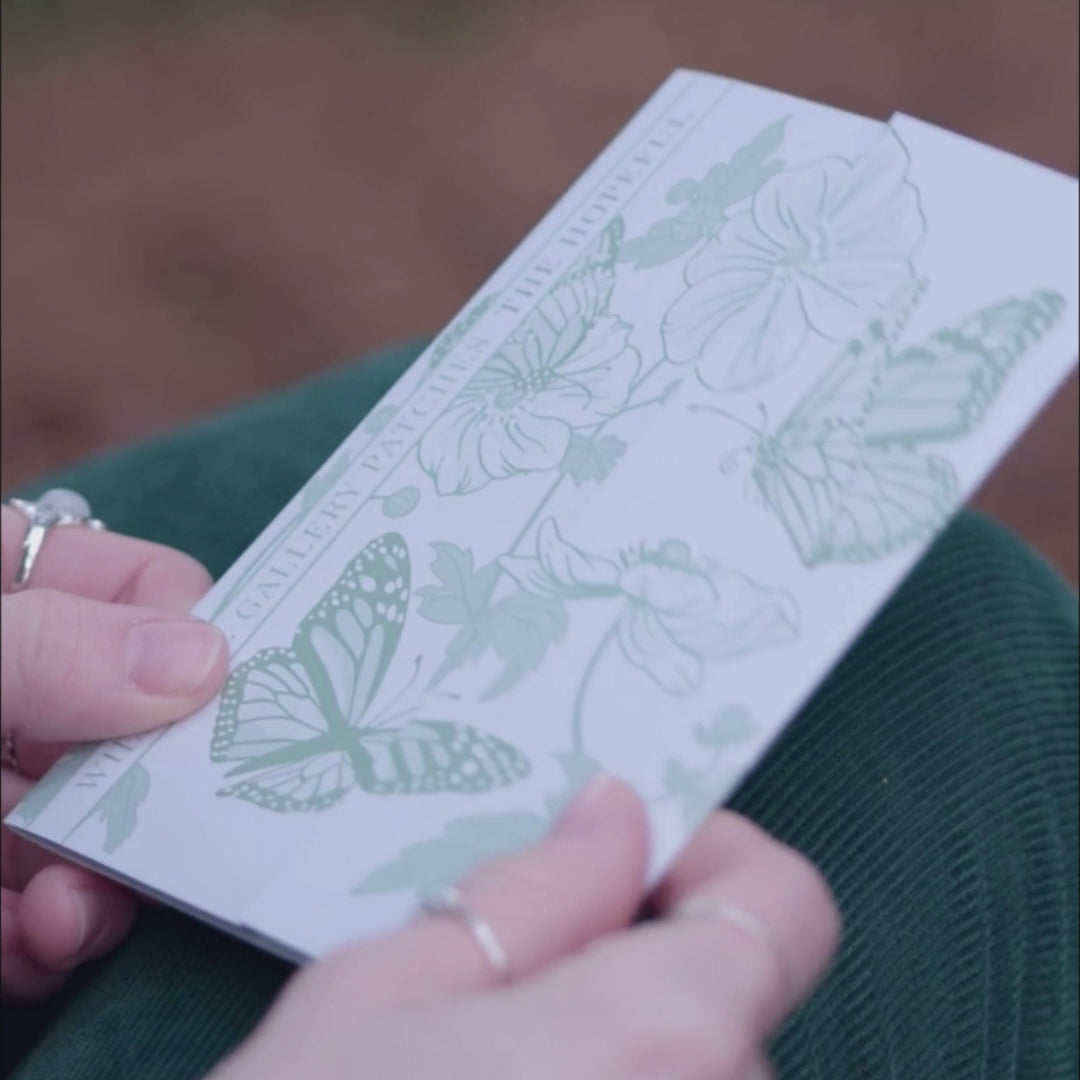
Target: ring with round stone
[[56, 507], [8, 758]]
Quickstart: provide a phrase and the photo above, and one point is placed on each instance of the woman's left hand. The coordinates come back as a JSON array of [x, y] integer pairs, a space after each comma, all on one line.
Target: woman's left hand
[[98, 646]]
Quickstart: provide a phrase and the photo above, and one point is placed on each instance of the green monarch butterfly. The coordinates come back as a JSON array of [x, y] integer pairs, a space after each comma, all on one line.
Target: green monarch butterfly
[[294, 721], [846, 474]]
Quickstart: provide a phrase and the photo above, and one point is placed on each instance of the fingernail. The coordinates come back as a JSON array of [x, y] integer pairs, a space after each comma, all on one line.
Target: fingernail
[[590, 809], [81, 903], [172, 657], [102, 918]]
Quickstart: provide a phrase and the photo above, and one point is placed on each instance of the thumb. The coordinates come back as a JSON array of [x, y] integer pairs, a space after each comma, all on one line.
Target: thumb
[[74, 669]]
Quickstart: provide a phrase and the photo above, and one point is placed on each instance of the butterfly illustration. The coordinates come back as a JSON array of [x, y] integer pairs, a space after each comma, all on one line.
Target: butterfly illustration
[[295, 721], [582, 294], [846, 473]]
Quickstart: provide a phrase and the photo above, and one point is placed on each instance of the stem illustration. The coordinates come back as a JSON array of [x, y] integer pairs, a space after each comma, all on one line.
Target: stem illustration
[[577, 715]]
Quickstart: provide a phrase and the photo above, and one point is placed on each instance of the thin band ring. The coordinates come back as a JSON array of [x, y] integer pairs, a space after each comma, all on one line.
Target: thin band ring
[[449, 901], [741, 920], [731, 913]]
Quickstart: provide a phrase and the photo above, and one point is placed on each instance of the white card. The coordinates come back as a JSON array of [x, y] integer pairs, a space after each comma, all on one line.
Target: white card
[[625, 514]]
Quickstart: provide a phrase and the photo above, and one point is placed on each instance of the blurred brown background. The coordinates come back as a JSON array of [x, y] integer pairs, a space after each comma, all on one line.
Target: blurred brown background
[[202, 202]]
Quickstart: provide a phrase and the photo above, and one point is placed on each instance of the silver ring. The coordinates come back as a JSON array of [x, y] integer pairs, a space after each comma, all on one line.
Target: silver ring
[[731, 913], [449, 901], [8, 758], [741, 919], [56, 507]]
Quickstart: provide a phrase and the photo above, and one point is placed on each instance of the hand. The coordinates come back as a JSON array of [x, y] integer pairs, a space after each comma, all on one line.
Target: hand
[[95, 648], [749, 929]]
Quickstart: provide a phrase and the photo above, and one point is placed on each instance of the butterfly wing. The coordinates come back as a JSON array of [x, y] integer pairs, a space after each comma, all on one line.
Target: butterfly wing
[[434, 755], [347, 641], [285, 716], [844, 395], [842, 501], [843, 474], [317, 781], [582, 294], [802, 470], [270, 724], [942, 389]]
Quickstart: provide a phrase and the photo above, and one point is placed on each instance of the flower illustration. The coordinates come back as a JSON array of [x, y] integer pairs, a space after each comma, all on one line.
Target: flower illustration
[[521, 409], [679, 612], [820, 251]]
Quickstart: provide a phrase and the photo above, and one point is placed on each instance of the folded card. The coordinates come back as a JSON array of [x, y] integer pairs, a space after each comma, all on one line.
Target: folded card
[[625, 514]]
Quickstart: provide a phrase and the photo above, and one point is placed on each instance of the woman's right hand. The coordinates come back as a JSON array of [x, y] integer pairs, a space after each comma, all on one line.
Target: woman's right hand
[[746, 929]]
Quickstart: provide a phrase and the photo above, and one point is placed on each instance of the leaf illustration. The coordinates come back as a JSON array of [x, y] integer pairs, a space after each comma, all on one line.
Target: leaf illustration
[[518, 628], [52, 783], [666, 239], [119, 806], [705, 204], [464, 592], [592, 459], [689, 786], [697, 788], [464, 844], [745, 173], [401, 502], [461, 600], [728, 727]]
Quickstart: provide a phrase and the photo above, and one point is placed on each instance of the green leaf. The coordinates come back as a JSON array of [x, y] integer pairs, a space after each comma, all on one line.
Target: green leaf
[[683, 191], [728, 727], [401, 502], [520, 627], [461, 600], [464, 592], [463, 845], [51, 784], [119, 806], [746, 172], [689, 787], [467, 644], [667, 239], [705, 205], [591, 459]]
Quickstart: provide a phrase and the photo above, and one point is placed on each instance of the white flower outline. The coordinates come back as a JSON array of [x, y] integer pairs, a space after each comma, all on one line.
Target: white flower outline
[[521, 409], [680, 613], [820, 251]]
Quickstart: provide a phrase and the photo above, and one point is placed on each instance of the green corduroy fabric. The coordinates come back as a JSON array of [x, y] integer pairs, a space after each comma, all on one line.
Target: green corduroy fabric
[[933, 778]]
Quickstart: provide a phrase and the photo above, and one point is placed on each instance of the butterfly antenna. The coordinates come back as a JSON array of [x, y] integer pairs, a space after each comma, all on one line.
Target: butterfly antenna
[[738, 420]]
